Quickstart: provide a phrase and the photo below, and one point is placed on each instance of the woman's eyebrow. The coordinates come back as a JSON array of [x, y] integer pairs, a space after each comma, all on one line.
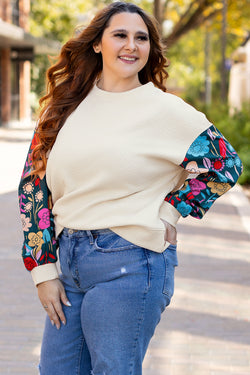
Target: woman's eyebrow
[[125, 31]]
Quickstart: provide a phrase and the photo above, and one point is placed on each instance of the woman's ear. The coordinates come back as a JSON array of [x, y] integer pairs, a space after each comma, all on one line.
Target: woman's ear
[[97, 48]]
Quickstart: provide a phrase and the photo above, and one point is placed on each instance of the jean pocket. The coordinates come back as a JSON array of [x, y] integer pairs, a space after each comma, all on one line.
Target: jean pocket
[[112, 242], [171, 261]]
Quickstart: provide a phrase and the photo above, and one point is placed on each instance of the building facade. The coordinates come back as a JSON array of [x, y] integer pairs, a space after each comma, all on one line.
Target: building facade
[[17, 50]]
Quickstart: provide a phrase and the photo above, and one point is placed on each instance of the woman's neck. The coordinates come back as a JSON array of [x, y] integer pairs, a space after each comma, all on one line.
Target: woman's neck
[[117, 86]]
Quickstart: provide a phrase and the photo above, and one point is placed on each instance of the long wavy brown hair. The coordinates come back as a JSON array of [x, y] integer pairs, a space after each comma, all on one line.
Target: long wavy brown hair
[[78, 67]]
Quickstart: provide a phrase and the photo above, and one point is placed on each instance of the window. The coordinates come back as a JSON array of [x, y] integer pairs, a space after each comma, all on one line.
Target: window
[[15, 12], [15, 97]]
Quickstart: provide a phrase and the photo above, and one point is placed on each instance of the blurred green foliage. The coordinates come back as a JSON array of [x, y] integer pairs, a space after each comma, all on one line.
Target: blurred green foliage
[[236, 129]]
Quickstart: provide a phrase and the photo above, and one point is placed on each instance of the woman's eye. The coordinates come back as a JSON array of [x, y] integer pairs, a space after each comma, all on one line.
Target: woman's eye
[[139, 37], [142, 37], [121, 35]]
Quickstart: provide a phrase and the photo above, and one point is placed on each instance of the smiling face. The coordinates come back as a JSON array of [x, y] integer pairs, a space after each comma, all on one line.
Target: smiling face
[[125, 48]]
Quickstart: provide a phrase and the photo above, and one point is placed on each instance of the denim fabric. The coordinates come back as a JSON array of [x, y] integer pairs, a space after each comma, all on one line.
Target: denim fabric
[[118, 291]]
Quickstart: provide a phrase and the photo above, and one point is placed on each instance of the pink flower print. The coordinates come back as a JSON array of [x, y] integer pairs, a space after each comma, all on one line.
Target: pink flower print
[[192, 167], [21, 202], [196, 186], [211, 134], [43, 214], [25, 223]]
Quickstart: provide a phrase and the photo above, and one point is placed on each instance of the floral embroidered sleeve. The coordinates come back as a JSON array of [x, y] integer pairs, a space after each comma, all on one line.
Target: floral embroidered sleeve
[[39, 247], [217, 168]]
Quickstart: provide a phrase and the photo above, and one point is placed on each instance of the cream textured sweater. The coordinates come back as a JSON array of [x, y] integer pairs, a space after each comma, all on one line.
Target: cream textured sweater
[[123, 161], [115, 160]]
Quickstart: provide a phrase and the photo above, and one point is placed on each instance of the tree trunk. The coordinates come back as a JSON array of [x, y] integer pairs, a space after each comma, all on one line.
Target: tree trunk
[[208, 82], [158, 13], [223, 52]]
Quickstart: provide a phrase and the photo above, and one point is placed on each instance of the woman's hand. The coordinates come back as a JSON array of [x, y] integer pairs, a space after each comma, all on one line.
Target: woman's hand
[[51, 293], [170, 233]]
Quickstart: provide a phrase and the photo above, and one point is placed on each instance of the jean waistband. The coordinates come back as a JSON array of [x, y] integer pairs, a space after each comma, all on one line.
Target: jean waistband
[[83, 232]]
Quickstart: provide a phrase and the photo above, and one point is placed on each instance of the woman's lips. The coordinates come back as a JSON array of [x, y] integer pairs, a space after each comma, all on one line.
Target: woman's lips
[[128, 59]]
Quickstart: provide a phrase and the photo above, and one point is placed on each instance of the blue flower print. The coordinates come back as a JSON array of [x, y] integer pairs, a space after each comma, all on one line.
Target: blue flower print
[[237, 162], [184, 209], [199, 147], [230, 163], [219, 168]]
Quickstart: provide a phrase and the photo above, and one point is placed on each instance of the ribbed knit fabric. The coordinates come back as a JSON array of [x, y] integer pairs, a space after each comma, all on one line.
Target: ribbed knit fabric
[[117, 157]]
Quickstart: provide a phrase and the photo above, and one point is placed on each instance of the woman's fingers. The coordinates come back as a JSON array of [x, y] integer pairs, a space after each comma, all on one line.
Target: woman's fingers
[[64, 298], [53, 315], [55, 312], [170, 233], [59, 314], [51, 293]]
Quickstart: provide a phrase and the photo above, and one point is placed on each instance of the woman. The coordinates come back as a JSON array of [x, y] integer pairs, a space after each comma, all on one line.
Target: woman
[[118, 152]]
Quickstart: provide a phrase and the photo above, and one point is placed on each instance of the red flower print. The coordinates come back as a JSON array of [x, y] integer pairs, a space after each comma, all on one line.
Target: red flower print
[[30, 263], [37, 181], [35, 141], [218, 165], [223, 148]]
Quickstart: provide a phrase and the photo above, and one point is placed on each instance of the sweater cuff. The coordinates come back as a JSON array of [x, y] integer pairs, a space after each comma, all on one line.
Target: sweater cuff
[[44, 273], [169, 213]]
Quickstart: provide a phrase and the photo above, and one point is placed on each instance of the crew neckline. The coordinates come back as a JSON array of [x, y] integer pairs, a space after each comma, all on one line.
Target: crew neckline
[[112, 93]]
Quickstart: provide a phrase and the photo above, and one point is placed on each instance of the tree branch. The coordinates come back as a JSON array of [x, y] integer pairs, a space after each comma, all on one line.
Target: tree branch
[[189, 21]]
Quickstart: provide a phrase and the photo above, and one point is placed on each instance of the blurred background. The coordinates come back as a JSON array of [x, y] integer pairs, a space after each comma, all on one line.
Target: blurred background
[[206, 329]]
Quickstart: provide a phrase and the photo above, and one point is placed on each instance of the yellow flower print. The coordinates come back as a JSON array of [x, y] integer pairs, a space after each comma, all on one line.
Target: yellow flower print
[[35, 239], [218, 187]]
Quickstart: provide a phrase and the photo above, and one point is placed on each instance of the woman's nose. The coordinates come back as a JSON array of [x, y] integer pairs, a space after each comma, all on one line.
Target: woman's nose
[[131, 45]]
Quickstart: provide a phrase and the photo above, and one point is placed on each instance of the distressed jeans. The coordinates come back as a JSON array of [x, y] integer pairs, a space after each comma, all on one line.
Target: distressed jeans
[[118, 291]]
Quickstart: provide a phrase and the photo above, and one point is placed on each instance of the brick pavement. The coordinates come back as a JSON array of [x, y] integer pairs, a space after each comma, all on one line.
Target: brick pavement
[[205, 331]]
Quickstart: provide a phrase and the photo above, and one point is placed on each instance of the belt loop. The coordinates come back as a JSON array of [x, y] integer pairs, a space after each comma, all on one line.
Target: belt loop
[[91, 238]]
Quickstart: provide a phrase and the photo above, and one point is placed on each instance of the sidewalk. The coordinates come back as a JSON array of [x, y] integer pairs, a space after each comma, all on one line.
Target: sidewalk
[[205, 331]]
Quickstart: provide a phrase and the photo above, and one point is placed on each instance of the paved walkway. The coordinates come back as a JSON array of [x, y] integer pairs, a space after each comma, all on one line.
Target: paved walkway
[[205, 331]]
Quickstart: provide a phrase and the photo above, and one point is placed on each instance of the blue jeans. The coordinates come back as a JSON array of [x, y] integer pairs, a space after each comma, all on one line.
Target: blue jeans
[[118, 291]]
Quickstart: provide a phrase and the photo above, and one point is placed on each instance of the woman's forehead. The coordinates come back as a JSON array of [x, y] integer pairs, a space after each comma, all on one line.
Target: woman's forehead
[[127, 21]]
